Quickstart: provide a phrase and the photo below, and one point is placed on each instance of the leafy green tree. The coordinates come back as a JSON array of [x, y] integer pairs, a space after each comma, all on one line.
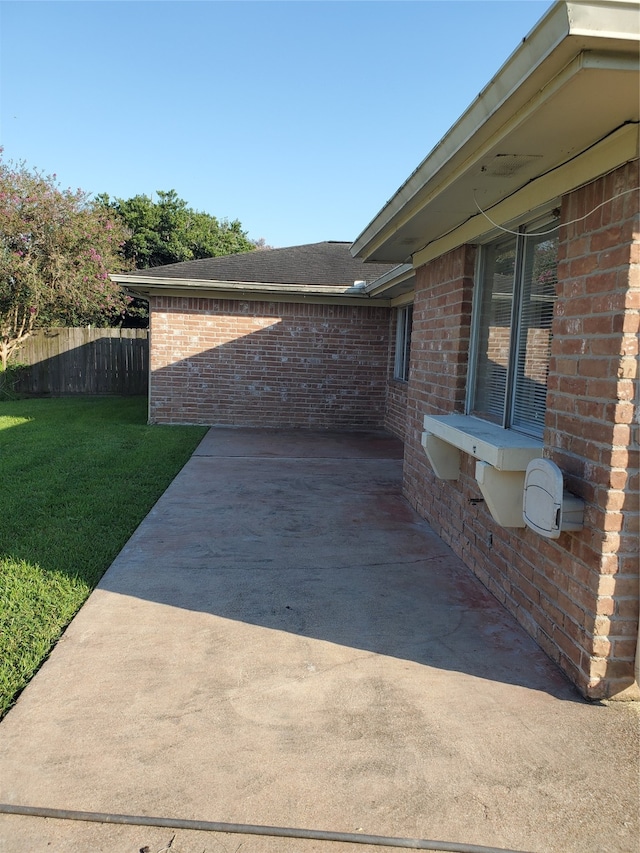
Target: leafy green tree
[[57, 248], [167, 231]]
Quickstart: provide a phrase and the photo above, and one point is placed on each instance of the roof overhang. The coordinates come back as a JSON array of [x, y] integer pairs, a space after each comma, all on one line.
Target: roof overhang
[[394, 284], [572, 83], [148, 286]]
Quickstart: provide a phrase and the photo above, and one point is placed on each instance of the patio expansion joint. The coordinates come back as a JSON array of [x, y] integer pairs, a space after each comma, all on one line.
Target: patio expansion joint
[[338, 567], [348, 458], [389, 563]]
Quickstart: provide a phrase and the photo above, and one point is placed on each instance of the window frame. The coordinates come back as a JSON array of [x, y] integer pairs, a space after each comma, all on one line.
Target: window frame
[[402, 356], [548, 221]]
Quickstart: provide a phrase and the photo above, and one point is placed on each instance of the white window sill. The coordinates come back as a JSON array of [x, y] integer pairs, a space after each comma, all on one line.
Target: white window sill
[[503, 456], [505, 449]]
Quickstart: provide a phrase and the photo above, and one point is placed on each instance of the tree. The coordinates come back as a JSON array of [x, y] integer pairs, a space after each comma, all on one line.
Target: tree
[[168, 231], [57, 249]]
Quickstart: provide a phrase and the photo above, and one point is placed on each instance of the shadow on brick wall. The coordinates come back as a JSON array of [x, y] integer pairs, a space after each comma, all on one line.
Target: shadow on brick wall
[[275, 377]]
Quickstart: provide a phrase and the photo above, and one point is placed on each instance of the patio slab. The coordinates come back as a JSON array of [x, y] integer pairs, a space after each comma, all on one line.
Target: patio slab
[[284, 642]]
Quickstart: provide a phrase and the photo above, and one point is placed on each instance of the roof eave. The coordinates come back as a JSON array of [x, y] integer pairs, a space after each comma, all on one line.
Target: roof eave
[[566, 31], [394, 283], [145, 286]]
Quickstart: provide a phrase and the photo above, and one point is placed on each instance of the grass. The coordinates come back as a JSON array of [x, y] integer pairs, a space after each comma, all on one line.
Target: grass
[[78, 476]]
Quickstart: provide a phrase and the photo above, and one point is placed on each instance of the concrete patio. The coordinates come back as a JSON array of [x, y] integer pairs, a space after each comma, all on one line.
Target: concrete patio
[[285, 642]]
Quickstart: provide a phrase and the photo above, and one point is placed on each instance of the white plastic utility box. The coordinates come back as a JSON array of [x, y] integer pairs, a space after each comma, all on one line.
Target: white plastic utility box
[[503, 459], [547, 507]]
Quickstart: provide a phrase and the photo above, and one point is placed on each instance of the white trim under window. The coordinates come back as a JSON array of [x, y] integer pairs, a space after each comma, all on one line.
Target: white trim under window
[[404, 320], [513, 312]]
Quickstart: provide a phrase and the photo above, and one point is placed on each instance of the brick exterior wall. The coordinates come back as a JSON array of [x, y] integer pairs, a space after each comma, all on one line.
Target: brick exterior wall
[[268, 364], [577, 595], [395, 420]]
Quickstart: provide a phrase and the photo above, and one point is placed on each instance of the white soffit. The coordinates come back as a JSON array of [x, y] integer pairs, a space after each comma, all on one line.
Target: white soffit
[[572, 81]]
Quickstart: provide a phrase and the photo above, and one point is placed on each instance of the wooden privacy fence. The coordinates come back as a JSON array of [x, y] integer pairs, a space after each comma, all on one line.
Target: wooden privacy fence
[[85, 361]]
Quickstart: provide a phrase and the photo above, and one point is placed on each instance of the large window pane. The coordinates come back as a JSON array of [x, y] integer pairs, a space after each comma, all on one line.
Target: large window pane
[[494, 330], [404, 323]]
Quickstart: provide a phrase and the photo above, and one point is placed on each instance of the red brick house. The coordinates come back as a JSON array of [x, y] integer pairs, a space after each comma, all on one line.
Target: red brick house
[[267, 338], [500, 330]]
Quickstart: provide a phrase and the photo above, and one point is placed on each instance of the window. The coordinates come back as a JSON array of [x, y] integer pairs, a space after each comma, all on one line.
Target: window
[[513, 312], [404, 319]]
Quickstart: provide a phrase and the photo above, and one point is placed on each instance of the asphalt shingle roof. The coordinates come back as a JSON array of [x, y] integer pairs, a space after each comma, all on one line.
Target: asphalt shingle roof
[[326, 263]]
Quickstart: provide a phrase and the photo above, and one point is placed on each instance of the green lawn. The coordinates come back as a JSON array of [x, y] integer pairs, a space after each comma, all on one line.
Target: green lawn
[[77, 477]]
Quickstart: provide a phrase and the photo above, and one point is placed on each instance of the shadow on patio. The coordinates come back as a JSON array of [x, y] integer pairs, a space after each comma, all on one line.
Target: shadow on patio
[[308, 533]]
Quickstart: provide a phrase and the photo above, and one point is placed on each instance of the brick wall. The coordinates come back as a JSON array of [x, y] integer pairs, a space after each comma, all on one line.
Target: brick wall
[[439, 354], [591, 423], [441, 335], [267, 364], [578, 595], [395, 420]]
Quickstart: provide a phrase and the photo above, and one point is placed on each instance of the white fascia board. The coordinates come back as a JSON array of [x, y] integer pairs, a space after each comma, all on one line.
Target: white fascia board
[[146, 286], [605, 18], [565, 31], [398, 274], [195, 285]]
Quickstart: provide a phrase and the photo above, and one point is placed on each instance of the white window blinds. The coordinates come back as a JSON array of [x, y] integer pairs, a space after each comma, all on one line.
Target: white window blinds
[[538, 294]]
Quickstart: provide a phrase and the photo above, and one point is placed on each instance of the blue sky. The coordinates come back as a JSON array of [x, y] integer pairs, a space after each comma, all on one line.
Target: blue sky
[[300, 119]]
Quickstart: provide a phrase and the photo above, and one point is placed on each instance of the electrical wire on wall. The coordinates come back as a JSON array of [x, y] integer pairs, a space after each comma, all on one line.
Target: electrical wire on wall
[[560, 224]]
